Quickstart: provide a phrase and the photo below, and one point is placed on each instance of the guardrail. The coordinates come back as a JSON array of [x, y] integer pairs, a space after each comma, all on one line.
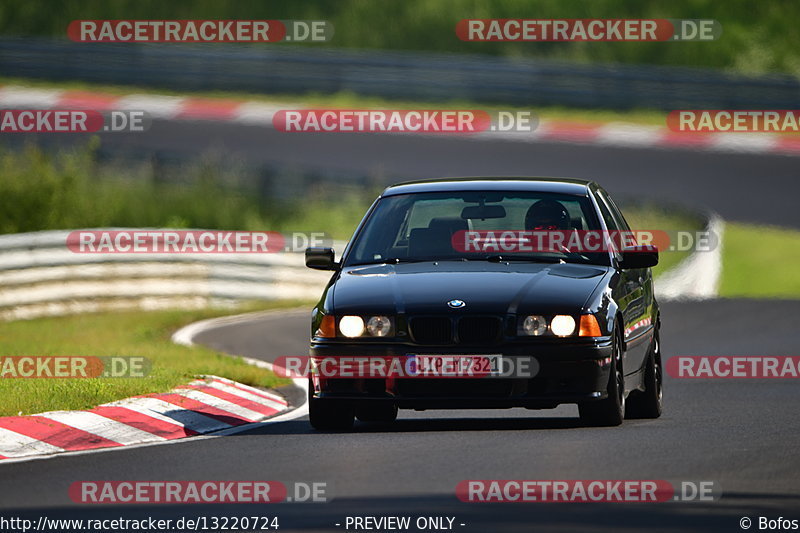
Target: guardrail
[[406, 75], [40, 276]]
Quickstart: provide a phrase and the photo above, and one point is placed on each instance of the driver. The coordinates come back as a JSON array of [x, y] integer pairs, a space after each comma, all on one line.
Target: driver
[[547, 215], [550, 216]]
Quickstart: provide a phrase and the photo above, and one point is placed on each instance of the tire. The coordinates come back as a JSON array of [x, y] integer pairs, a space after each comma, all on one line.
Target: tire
[[649, 404], [377, 412], [609, 411], [329, 415]]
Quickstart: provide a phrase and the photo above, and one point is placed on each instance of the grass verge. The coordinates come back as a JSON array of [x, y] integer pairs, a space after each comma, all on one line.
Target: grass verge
[[653, 217], [136, 333], [70, 188], [760, 262]]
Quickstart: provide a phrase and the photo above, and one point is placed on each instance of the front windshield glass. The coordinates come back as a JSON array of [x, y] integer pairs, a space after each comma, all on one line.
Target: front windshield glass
[[465, 226]]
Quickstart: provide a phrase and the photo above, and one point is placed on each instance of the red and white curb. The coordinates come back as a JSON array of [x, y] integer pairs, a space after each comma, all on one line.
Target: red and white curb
[[202, 406], [261, 113], [208, 407], [185, 336]]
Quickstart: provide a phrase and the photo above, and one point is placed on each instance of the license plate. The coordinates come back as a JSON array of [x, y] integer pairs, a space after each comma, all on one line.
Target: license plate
[[449, 365]]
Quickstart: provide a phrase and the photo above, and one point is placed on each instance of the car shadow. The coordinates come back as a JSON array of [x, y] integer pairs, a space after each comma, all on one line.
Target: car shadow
[[422, 425]]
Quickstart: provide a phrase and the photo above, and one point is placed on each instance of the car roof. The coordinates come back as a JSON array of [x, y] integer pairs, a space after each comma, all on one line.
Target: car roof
[[533, 184]]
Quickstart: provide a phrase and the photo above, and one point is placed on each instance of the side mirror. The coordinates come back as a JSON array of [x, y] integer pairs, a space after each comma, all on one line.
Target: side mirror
[[321, 259], [643, 256]]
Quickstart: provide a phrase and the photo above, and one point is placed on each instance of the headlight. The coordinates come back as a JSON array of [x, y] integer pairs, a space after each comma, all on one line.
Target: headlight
[[351, 326], [562, 325], [534, 325], [379, 326]]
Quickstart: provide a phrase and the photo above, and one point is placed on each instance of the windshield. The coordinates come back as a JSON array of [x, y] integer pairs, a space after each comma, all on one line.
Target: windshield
[[446, 227]]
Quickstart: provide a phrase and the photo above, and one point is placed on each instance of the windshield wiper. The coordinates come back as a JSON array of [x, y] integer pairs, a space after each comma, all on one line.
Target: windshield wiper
[[392, 261], [527, 258], [496, 258], [396, 260]]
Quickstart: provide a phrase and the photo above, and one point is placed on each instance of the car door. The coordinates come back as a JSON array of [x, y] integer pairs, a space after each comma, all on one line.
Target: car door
[[633, 294]]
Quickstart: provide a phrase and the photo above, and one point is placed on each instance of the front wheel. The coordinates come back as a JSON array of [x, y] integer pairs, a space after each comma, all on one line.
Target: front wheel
[[609, 411], [649, 404]]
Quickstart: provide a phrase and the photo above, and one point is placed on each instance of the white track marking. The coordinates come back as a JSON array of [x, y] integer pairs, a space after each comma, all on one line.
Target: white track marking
[[219, 403], [13, 444], [168, 412], [101, 426], [247, 395], [156, 106], [15, 97], [250, 389]]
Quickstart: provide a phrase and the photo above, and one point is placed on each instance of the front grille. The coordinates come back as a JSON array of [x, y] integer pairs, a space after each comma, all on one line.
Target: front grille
[[472, 330], [478, 330], [431, 330]]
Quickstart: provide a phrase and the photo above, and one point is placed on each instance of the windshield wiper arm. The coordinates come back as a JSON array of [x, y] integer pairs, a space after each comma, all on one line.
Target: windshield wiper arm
[[500, 258], [396, 260]]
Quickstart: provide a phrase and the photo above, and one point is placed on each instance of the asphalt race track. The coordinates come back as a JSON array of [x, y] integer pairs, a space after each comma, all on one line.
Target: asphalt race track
[[741, 434]]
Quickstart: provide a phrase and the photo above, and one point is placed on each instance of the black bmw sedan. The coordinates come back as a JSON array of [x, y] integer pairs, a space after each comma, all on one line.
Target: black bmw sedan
[[487, 293]]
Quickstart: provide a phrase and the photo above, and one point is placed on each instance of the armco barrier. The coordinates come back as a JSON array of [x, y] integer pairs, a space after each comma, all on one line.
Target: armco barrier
[[406, 75], [39, 276]]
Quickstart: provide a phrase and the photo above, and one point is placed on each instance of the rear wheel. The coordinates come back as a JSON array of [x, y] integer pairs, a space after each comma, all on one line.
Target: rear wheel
[[377, 412], [325, 414], [611, 410], [648, 404]]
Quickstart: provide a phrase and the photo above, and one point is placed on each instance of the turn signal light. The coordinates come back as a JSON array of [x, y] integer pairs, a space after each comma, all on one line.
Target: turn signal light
[[327, 328], [589, 327]]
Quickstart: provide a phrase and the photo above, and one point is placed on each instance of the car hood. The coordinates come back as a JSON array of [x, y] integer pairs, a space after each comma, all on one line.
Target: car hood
[[485, 287]]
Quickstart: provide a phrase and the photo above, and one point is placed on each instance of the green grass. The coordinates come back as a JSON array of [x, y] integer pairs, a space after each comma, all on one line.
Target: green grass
[[760, 262], [145, 334], [653, 217], [70, 189]]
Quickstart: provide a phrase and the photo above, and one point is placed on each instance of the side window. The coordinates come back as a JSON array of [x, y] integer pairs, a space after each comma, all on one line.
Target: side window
[[605, 212], [611, 222], [615, 211]]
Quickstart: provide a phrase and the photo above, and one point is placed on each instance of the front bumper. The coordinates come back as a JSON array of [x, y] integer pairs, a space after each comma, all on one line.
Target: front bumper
[[573, 371]]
